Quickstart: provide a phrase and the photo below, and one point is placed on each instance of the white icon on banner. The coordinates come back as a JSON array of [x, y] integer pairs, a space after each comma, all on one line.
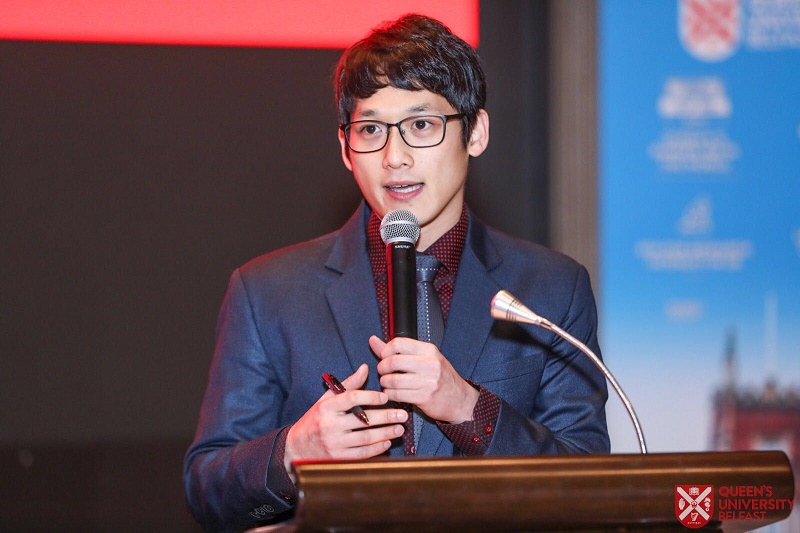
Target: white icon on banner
[[772, 25], [694, 251], [684, 310], [694, 99], [698, 143], [697, 218]]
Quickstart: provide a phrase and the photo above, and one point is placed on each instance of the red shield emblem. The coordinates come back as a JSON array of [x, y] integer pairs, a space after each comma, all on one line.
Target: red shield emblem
[[709, 29], [694, 504]]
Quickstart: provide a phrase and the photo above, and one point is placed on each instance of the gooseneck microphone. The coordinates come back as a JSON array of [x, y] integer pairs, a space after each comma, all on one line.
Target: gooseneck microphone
[[400, 232], [504, 306]]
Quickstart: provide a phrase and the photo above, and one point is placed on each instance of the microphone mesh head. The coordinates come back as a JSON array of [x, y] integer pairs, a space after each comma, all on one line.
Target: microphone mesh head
[[399, 226]]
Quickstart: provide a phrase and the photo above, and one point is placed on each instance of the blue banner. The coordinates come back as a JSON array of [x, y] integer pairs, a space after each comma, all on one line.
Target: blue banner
[[699, 106]]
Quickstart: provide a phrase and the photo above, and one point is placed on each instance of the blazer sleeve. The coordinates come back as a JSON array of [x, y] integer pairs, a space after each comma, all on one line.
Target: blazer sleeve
[[568, 412], [227, 476]]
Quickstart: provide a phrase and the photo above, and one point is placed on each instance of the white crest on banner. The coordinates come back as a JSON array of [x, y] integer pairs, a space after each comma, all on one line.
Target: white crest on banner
[[709, 29]]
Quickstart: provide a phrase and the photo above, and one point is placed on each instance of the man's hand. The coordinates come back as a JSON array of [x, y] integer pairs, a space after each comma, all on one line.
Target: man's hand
[[328, 431], [416, 372]]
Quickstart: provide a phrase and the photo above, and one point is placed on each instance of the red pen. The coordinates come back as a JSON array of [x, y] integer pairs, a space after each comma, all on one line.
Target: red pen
[[336, 386]]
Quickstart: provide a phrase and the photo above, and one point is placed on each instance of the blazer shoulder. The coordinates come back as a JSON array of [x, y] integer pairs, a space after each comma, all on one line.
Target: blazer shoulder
[[337, 251], [531, 257], [550, 282], [293, 257], [292, 269]]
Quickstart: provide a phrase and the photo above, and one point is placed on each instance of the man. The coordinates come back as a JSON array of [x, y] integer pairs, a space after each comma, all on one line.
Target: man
[[411, 100]]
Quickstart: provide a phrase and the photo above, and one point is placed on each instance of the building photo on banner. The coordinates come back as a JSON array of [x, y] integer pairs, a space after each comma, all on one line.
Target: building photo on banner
[[699, 238]]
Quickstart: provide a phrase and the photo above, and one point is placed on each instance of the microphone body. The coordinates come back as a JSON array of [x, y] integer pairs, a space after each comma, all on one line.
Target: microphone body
[[400, 231], [402, 265]]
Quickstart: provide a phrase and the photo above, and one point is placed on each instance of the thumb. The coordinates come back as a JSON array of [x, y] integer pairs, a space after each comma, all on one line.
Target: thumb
[[357, 379]]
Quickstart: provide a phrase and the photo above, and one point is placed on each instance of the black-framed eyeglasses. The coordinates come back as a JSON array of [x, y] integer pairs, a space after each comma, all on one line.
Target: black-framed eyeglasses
[[419, 131]]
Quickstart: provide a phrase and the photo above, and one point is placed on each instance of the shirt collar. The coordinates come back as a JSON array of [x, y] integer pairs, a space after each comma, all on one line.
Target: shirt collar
[[447, 249]]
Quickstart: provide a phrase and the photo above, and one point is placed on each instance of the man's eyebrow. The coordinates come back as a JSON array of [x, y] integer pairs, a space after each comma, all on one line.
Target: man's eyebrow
[[417, 108], [420, 108]]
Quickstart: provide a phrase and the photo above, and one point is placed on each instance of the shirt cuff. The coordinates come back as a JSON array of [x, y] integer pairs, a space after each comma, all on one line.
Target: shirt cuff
[[278, 480], [474, 436]]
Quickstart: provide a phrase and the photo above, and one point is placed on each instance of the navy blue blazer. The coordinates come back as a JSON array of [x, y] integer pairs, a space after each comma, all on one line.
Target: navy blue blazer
[[296, 313]]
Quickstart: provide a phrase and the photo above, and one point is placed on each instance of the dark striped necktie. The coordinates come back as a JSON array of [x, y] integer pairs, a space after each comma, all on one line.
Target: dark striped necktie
[[430, 321]]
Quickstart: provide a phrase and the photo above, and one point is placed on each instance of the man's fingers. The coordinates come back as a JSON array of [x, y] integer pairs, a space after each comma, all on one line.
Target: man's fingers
[[357, 379], [380, 417], [377, 417], [366, 452], [352, 398], [401, 346], [368, 437], [354, 395], [396, 381], [377, 346]]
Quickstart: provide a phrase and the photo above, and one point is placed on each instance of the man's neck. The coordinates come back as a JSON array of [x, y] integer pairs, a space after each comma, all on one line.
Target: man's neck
[[432, 232]]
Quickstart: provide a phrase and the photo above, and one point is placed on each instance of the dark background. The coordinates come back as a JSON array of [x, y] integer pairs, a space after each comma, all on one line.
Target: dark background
[[133, 180]]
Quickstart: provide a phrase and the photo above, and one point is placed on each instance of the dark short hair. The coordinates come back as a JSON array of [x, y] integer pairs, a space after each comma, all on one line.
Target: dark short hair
[[413, 53]]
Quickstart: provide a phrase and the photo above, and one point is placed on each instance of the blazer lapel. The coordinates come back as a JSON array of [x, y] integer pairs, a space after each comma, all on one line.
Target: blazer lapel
[[352, 297], [469, 322]]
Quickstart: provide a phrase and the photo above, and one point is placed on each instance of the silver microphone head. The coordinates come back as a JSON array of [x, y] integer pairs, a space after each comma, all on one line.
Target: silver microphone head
[[399, 226], [505, 306]]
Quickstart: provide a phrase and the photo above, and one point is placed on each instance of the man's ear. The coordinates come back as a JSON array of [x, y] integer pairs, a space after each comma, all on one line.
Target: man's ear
[[345, 152], [479, 137]]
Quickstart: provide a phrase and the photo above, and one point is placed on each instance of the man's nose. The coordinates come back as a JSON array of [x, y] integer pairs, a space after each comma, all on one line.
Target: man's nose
[[397, 151]]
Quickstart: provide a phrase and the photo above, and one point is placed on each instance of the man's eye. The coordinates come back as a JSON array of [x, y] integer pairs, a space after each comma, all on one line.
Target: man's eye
[[368, 129], [421, 124]]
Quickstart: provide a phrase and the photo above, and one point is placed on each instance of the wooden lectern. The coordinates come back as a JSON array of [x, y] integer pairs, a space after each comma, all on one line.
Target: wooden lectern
[[553, 493]]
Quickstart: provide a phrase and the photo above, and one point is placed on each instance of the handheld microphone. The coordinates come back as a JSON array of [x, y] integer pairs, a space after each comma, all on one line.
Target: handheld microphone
[[400, 231], [504, 306]]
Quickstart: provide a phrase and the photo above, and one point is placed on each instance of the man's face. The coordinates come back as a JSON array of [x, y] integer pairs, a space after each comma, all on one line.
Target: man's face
[[429, 182]]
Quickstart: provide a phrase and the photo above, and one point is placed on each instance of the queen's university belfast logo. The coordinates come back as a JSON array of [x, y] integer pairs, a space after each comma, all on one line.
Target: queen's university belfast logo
[[694, 504]]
